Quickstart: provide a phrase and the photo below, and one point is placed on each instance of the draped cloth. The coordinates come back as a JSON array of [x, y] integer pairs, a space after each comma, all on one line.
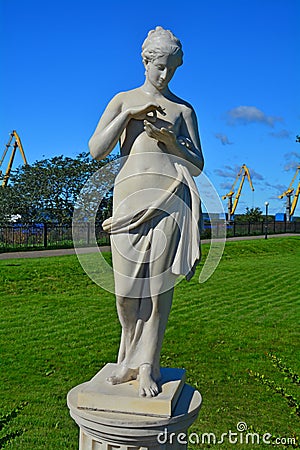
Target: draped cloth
[[157, 242]]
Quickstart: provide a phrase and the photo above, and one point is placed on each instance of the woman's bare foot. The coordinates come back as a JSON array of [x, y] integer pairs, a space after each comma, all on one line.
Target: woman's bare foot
[[148, 387], [122, 374]]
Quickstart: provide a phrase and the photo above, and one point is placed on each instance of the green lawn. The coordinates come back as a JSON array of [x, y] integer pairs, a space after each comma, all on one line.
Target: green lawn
[[59, 328]]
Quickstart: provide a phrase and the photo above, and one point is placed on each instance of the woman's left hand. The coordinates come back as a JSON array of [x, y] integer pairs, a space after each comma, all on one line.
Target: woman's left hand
[[163, 135]]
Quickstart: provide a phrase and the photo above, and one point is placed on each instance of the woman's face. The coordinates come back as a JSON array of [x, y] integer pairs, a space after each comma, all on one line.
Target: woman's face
[[160, 71]]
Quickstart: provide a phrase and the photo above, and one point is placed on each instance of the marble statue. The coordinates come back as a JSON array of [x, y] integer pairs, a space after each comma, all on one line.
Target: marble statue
[[154, 226]]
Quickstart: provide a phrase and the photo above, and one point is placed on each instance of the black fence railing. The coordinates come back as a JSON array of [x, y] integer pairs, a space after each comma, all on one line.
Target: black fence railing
[[40, 236], [263, 227], [234, 229]]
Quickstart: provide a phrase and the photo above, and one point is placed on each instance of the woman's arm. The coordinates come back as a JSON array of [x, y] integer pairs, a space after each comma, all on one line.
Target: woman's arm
[[109, 129], [186, 145], [113, 122], [189, 129]]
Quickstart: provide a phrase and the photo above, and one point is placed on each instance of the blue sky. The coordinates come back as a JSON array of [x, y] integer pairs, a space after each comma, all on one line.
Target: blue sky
[[63, 60]]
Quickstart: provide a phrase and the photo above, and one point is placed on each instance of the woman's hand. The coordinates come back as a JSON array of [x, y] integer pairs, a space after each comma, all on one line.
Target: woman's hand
[[163, 135], [146, 112], [180, 146]]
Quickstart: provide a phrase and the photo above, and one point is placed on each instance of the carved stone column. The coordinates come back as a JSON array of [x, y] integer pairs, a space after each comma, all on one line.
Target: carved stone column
[[101, 429]]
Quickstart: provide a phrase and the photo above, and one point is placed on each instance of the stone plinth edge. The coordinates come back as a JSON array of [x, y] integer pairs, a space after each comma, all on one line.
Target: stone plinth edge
[[97, 394], [103, 430]]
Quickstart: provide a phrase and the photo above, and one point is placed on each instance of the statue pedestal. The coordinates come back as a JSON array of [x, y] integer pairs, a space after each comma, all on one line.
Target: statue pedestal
[[104, 427]]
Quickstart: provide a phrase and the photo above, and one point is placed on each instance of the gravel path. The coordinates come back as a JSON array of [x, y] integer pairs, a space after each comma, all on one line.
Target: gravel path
[[71, 251]]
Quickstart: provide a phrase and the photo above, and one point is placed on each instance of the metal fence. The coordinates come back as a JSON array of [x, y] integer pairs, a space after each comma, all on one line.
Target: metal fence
[[34, 236], [251, 228], [258, 228]]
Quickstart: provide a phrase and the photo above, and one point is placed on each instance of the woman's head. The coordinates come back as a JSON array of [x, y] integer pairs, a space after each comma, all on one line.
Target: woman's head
[[160, 42]]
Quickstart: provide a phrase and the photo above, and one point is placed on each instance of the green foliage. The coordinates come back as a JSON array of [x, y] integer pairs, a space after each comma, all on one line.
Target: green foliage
[[7, 434], [272, 386], [251, 215], [59, 328], [47, 189], [283, 368], [291, 400]]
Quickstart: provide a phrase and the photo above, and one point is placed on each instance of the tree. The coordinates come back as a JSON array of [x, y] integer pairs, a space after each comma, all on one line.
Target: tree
[[251, 215], [254, 214], [47, 190], [7, 203]]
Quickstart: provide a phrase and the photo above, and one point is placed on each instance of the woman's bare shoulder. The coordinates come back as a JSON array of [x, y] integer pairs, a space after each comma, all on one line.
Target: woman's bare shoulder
[[126, 95], [122, 98], [182, 103]]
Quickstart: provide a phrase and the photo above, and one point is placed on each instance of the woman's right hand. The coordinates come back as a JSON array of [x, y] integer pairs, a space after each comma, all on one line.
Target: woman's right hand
[[146, 112]]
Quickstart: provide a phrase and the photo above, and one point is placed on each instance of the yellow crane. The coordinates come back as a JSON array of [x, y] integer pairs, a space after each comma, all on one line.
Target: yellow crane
[[243, 173], [14, 142], [291, 204]]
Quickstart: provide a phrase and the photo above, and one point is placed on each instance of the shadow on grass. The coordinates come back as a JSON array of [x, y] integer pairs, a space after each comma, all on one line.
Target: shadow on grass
[[5, 420]]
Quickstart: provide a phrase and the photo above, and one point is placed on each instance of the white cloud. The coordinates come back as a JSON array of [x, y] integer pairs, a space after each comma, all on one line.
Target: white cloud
[[292, 161], [226, 186], [278, 187], [223, 138], [255, 175], [282, 134], [227, 172], [231, 172], [250, 114]]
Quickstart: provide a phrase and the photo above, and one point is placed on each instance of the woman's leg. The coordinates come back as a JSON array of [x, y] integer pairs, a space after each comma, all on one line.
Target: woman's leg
[[128, 312], [152, 338]]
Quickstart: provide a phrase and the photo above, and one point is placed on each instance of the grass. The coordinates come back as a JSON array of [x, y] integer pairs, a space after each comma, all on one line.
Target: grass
[[59, 328]]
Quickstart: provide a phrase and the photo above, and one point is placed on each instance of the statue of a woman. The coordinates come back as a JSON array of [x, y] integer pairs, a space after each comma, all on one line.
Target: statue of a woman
[[154, 227]]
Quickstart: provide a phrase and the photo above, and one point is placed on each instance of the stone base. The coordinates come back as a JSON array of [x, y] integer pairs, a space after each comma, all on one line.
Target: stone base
[[98, 394], [108, 430], [89, 443]]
